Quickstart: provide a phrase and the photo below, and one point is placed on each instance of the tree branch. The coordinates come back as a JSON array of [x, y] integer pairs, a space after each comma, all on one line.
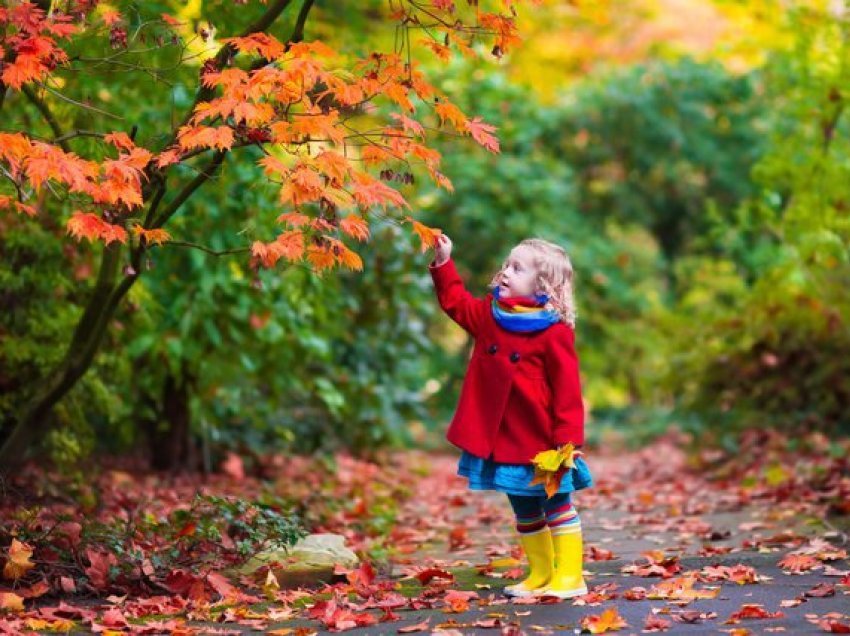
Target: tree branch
[[48, 116], [186, 192], [298, 32], [208, 250]]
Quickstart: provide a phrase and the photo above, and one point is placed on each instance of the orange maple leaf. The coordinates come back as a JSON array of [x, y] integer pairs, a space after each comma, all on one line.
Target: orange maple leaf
[[428, 235], [167, 157], [120, 140], [171, 20], [409, 125], [25, 68], [303, 186], [609, 621], [334, 165], [10, 202], [87, 225], [447, 110], [481, 132], [261, 43], [14, 147], [295, 219], [345, 256], [289, 245], [155, 236], [46, 161], [321, 257], [442, 51], [368, 191], [355, 226], [220, 137], [316, 47]]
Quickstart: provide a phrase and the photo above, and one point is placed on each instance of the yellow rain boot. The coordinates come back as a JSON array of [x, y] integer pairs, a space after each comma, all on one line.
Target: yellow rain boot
[[539, 551], [567, 580]]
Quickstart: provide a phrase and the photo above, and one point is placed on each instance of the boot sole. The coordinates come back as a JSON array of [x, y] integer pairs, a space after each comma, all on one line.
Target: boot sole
[[568, 594], [519, 593]]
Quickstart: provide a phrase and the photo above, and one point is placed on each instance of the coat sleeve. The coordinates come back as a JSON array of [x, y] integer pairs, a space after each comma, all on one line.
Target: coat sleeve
[[562, 369], [460, 305]]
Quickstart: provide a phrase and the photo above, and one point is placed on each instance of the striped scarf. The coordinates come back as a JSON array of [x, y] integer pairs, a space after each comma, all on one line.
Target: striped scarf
[[523, 313]]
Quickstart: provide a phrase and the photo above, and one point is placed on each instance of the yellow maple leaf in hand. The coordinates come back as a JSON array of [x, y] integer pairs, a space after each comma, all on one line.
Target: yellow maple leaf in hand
[[550, 466]]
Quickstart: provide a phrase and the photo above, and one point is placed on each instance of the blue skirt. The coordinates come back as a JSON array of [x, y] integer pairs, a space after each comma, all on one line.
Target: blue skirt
[[486, 474]]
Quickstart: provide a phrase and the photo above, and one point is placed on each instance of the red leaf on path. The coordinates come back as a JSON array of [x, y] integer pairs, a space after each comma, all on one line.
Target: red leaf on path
[[739, 573], [635, 594], [221, 585], [337, 618], [820, 590], [458, 600], [599, 554], [186, 584], [426, 575], [418, 627], [799, 563], [360, 578], [39, 589], [458, 538], [834, 626], [63, 610], [114, 618], [692, 616], [752, 610], [488, 622], [654, 623], [654, 563], [98, 571], [391, 600]]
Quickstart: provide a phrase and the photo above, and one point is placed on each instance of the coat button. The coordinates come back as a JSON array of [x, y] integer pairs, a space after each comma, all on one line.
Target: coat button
[[514, 356], [493, 348]]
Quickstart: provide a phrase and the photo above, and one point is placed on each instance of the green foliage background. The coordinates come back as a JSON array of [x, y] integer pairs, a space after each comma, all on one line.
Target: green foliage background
[[706, 213]]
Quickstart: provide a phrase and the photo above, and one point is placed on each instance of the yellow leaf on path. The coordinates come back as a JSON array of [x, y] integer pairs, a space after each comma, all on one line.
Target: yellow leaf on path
[[19, 560], [609, 621], [11, 602]]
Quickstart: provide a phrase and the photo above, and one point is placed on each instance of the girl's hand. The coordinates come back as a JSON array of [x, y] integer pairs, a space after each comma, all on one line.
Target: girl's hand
[[442, 249]]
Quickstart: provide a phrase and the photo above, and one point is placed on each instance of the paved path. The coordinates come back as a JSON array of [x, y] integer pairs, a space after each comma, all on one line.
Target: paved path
[[640, 504]]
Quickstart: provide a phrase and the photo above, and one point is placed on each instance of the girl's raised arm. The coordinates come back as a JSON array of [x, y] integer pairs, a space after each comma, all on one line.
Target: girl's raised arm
[[460, 305]]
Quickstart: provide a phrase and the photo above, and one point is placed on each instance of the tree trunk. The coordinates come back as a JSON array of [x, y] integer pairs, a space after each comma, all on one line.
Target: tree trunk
[[169, 436], [34, 420]]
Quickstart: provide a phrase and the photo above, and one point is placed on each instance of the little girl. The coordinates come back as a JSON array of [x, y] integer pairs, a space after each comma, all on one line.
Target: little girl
[[522, 395]]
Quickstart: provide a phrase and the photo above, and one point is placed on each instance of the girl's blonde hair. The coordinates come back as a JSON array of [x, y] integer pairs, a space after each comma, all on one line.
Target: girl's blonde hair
[[554, 276]]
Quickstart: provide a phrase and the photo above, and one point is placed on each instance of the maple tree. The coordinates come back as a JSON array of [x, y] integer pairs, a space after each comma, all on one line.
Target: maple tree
[[333, 132]]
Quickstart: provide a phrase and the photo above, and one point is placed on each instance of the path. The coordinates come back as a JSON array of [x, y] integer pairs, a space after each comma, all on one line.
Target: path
[[642, 502]]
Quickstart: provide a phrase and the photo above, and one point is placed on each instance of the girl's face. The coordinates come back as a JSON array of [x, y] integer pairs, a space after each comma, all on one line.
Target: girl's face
[[519, 276]]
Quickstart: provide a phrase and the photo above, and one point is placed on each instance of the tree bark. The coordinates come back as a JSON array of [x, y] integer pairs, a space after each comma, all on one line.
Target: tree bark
[[169, 435]]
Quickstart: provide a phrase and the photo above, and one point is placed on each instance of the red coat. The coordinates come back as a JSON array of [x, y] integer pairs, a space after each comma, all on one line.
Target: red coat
[[522, 391]]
